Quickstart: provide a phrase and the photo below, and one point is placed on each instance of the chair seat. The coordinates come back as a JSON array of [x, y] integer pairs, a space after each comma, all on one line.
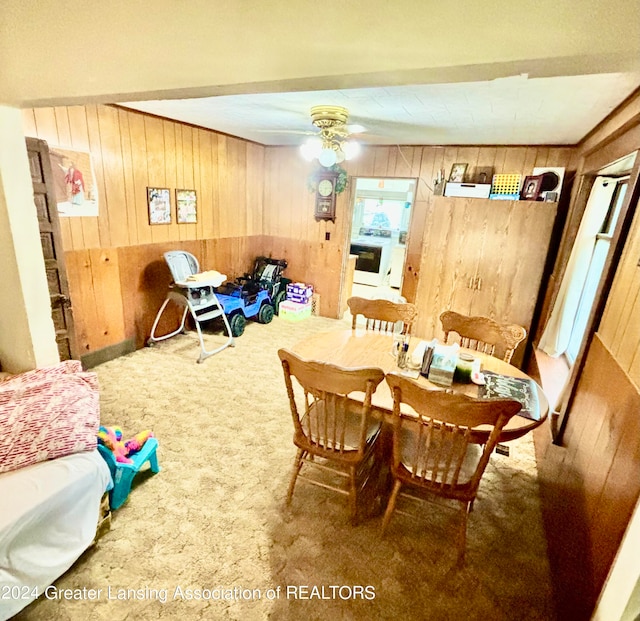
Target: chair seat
[[325, 437]]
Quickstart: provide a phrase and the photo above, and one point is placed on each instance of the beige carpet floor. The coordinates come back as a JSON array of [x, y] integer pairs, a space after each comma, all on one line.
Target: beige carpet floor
[[214, 518]]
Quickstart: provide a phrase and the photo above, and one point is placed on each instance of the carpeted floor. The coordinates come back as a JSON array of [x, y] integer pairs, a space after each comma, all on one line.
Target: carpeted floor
[[214, 517]]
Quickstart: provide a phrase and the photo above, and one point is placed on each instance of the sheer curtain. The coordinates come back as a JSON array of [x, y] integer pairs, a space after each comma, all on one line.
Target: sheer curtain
[[557, 333]]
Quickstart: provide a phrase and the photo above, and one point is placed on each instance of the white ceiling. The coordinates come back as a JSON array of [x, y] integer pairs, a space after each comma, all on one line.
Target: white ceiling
[[514, 110]]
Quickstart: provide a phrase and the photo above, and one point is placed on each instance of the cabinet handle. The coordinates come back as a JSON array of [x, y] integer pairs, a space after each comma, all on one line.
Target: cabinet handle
[[479, 284], [470, 283]]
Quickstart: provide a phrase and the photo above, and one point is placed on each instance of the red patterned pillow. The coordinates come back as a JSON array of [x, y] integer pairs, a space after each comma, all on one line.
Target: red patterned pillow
[[49, 414]]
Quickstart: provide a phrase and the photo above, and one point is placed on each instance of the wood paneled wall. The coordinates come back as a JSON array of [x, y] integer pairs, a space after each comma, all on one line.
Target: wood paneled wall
[[288, 204], [591, 483], [132, 151], [117, 277], [620, 325]]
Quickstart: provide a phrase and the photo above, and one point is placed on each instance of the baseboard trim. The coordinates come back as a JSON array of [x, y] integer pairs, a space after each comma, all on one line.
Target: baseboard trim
[[108, 353]]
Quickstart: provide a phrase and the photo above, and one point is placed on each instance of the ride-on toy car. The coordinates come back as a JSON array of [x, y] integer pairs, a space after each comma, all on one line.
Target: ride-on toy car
[[267, 274], [242, 302]]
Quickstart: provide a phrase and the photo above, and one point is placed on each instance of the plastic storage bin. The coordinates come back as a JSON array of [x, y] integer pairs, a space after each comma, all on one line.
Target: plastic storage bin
[[294, 311]]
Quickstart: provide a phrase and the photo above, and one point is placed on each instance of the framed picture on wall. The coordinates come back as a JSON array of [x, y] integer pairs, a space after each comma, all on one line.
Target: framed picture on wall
[[159, 205], [186, 206], [457, 173], [531, 188], [74, 182]]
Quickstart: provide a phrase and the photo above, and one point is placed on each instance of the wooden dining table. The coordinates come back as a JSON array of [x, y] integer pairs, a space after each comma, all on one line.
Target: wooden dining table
[[368, 348]]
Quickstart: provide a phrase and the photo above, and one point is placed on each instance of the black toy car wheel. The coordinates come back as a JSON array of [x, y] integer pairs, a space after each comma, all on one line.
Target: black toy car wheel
[[280, 297], [265, 314], [237, 324]]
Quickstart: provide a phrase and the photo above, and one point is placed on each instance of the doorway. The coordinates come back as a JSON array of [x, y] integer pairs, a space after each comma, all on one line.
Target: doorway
[[588, 273], [381, 215]]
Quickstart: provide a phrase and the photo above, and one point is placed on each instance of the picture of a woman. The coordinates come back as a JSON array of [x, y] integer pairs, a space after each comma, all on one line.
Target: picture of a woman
[[75, 181]]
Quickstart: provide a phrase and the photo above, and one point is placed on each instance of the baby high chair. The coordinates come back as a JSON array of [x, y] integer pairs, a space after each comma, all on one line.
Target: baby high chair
[[195, 291]]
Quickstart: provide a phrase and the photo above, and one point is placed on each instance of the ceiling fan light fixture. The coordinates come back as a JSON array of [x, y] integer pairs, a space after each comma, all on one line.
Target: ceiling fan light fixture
[[351, 149], [311, 149], [327, 157]]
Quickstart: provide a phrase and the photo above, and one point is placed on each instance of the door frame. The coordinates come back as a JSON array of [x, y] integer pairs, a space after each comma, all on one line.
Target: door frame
[[618, 241]]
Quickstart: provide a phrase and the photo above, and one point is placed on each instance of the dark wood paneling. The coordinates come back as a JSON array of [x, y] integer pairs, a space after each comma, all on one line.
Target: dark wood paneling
[[591, 485]]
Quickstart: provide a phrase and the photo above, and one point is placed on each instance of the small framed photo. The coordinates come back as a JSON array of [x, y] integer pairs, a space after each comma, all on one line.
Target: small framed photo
[[159, 205], [457, 173], [531, 188], [483, 174], [186, 206]]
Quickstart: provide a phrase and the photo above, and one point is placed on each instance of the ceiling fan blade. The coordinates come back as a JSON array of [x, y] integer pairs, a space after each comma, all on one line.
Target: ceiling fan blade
[[356, 129]]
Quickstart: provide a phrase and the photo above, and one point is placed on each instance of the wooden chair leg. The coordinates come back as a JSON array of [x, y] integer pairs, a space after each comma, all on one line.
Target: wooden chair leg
[[297, 464], [353, 495], [390, 506]]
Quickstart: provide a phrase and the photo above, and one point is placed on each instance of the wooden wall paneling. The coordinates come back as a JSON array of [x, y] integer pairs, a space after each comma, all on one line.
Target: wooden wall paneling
[[430, 163], [470, 156], [234, 209], [192, 153], [242, 229], [624, 291], [205, 186], [128, 178], [514, 160], [255, 182], [108, 296], [215, 181], [365, 162], [403, 163], [588, 501], [267, 193], [62, 127], [46, 125], [487, 157], [145, 278], [392, 160], [450, 158], [380, 162], [432, 294], [172, 147], [83, 302], [139, 163], [95, 146], [29, 122], [156, 170], [225, 205], [500, 163], [529, 161], [113, 175], [85, 231]]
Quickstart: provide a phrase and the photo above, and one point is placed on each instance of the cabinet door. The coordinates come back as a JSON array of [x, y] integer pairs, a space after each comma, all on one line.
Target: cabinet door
[[454, 238], [510, 271], [483, 257]]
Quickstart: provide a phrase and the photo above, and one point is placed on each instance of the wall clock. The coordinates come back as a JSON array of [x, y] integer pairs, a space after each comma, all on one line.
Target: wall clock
[[326, 197]]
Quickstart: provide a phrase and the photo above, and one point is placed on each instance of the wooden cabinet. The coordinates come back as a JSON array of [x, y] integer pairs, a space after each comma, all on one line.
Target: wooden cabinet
[[483, 257]]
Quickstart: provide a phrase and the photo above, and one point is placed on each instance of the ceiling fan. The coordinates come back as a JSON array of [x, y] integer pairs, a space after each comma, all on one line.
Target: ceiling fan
[[331, 144]]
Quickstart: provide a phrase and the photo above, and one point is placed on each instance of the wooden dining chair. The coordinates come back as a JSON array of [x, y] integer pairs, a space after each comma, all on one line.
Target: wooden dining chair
[[382, 315], [439, 451], [483, 334], [332, 432]]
